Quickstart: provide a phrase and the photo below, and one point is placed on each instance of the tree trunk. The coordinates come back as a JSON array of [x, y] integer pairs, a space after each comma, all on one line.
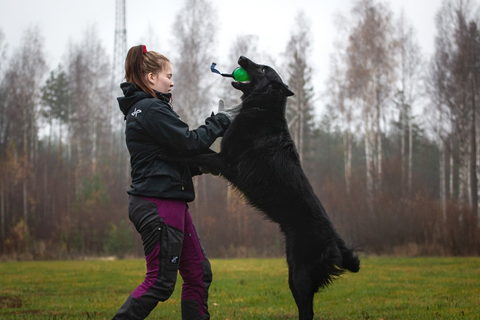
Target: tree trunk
[[463, 175], [301, 131], [2, 218], [450, 185], [473, 157], [369, 164], [410, 154], [25, 166], [379, 151], [347, 153], [477, 125], [402, 144], [443, 182]]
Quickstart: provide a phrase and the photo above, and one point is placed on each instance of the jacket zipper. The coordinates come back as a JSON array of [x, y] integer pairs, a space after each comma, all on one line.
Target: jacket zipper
[[161, 231], [183, 177]]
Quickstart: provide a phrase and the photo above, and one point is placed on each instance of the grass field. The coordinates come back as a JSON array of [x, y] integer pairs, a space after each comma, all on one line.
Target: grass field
[[385, 288]]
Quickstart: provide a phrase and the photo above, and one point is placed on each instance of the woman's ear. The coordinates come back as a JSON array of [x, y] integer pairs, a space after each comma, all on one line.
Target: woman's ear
[[151, 78]]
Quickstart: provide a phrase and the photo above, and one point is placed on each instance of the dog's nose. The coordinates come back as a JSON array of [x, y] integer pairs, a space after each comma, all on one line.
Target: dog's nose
[[242, 58]]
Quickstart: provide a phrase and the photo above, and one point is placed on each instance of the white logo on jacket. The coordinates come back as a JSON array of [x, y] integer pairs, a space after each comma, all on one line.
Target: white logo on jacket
[[135, 112]]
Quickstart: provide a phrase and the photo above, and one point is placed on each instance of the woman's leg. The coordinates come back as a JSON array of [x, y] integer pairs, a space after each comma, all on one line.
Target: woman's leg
[[160, 223], [196, 273]]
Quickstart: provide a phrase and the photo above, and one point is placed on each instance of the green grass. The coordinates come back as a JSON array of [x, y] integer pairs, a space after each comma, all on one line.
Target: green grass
[[385, 288]]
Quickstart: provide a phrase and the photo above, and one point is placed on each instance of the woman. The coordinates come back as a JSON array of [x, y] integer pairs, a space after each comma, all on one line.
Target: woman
[[160, 190]]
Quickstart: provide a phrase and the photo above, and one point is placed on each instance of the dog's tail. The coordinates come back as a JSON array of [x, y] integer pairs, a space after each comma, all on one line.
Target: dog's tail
[[350, 260], [333, 263]]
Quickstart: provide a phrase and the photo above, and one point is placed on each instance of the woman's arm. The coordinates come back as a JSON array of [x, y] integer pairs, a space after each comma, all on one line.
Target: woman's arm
[[169, 130]]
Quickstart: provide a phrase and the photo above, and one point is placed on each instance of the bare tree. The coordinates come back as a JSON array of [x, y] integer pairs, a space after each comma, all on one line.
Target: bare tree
[[300, 106], [437, 116], [88, 71], [337, 91], [456, 85], [371, 78], [55, 104], [3, 47], [25, 74], [3, 144], [409, 75], [193, 35], [437, 81], [242, 45]]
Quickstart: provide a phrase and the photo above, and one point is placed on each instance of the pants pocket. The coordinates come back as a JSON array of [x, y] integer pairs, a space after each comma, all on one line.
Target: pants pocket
[[144, 216], [172, 244]]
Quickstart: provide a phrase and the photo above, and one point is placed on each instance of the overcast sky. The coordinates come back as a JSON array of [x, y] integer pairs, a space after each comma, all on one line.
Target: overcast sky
[[271, 20]]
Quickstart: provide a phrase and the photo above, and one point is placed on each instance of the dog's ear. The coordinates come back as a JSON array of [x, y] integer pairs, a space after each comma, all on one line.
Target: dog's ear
[[287, 91], [281, 88]]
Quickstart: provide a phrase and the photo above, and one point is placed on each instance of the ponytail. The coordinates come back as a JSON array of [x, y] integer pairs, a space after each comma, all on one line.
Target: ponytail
[[139, 63]]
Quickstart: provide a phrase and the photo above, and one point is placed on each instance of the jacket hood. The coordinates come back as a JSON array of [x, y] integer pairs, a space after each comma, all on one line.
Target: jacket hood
[[132, 94]]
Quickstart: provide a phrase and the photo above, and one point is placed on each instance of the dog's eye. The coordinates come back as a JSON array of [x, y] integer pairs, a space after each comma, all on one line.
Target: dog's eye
[[263, 70]]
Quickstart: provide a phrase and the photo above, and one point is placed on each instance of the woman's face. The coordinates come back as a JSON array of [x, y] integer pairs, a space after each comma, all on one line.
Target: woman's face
[[162, 81]]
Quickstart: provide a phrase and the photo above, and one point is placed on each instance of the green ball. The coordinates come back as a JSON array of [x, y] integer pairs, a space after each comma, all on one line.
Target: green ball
[[240, 74]]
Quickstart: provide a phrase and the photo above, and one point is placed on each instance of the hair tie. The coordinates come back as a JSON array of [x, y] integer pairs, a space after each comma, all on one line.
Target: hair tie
[[144, 49]]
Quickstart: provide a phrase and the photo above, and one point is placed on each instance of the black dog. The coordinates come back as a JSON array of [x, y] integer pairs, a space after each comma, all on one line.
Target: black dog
[[258, 157]]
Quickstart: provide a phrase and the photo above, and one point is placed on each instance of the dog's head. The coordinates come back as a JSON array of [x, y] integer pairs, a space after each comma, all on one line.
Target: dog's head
[[262, 79]]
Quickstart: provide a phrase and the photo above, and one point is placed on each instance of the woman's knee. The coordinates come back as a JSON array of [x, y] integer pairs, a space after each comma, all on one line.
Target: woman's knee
[[196, 273], [207, 271]]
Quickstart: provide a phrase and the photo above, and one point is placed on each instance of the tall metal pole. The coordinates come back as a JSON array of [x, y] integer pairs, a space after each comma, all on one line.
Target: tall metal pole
[[120, 45], [118, 73]]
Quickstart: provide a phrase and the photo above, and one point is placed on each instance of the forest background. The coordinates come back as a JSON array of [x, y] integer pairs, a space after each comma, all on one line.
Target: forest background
[[394, 157]]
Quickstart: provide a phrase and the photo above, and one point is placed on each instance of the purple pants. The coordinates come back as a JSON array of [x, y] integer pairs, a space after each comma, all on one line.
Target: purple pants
[[171, 244]]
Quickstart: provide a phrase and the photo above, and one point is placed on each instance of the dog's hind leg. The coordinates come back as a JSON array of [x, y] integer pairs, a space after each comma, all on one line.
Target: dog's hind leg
[[302, 289]]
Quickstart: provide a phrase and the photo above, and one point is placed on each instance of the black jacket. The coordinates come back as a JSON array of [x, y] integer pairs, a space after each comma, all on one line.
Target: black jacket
[[153, 128]]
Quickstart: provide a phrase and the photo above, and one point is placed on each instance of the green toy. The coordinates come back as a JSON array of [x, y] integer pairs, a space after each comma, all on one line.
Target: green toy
[[239, 74]]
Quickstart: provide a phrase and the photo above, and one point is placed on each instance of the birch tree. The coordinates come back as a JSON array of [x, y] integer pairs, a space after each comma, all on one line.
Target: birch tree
[[194, 34], [25, 74], [88, 71], [300, 106], [437, 116], [242, 45], [371, 78], [457, 52], [3, 143], [338, 94], [409, 75]]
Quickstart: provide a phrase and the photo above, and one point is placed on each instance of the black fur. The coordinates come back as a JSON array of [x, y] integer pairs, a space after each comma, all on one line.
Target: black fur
[[258, 157]]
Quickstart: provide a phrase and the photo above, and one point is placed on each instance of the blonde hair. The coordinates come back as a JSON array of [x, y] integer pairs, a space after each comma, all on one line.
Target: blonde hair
[[140, 62]]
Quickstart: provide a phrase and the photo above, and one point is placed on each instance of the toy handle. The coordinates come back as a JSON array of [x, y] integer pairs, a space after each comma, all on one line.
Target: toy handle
[[212, 68]]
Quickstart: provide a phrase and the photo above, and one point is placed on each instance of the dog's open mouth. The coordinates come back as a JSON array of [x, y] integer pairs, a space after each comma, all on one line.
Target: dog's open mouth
[[241, 85]]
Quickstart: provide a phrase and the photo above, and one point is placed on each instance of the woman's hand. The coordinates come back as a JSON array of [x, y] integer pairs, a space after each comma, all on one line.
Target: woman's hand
[[231, 112]]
